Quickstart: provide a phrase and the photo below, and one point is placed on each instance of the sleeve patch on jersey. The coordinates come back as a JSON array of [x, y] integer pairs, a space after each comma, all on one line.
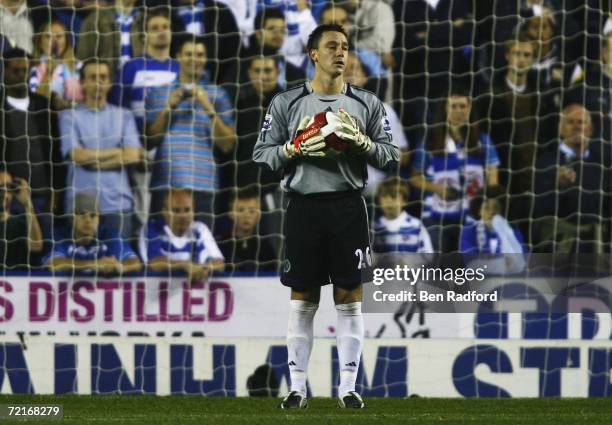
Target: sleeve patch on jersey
[[386, 124], [267, 123]]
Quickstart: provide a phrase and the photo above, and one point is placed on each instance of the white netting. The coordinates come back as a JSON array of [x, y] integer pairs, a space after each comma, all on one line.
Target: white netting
[[533, 79]]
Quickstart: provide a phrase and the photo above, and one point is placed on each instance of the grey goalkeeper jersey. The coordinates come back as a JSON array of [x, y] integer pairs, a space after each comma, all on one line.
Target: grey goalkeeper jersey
[[347, 171]]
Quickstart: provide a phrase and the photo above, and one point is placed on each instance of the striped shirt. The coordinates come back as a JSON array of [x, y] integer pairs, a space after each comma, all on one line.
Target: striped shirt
[[192, 17], [197, 245], [463, 171], [185, 157], [402, 234]]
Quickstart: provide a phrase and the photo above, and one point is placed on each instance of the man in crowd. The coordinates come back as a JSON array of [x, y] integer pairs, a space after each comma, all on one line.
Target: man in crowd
[[20, 235], [269, 36], [243, 248], [29, 147], [176, 242], [89, 247], [573, 188], [100, 141], [188, 119]]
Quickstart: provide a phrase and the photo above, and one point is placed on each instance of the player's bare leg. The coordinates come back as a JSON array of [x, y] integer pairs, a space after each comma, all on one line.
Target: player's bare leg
[[349, 337], [300, 338]]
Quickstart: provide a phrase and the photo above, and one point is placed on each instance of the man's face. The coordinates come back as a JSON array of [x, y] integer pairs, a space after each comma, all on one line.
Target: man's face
[[6, 191], [96, 81], [86, 224], [178, 212], [263, 73], [458, 110], [354, 72], [272, 33], [520, 57], [331, 54], [192, 59], [245, 214], [575, 126], [16, 72], [158, 32], [337, 15]]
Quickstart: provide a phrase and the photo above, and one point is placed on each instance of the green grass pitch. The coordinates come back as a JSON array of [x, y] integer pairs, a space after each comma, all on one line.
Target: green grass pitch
[[253, 411]]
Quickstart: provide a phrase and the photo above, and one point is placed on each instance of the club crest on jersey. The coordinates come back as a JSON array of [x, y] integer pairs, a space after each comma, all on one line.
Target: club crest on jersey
[[267, 123], [386, 124]]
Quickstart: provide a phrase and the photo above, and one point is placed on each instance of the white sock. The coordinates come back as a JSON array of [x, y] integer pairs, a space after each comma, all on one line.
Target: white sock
[[299, 342], [349, 338]]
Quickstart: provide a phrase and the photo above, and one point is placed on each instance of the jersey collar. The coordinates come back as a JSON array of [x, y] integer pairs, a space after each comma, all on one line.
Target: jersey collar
[[310, 90]]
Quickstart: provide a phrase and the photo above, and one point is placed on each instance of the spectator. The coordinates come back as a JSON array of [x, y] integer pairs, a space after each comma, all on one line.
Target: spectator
[[177, 243], [369, 59], [573, 188], [15, 24], [29, 146], [253, 100], [154, 68], [99, 141], [239, 170], [243, 12], [456, 160], [187, 120], [55, 74], [113, 34], [555, 58], [70, 13], [375, 28], [488, 240], [90, 247], [215, 22], [243, 248], [20, 235], [597, 83], [300, 23], [396, 231], [434, 45], [269, 37], [519, 107], [355, 74]]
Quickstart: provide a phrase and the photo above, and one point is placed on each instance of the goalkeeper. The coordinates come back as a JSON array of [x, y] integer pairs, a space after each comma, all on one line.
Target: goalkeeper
[[326, 222]]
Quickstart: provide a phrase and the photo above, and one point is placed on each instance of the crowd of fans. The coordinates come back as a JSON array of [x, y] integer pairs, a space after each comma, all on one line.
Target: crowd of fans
[[127, 128]]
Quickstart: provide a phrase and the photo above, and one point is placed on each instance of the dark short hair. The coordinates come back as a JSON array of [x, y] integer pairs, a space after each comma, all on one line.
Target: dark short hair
[[188, 38], [315, 36], [168, 194], [267, 13], [521, 37], [244, 193], [154, 12], [94, 61], [275, 58], [15, 53]]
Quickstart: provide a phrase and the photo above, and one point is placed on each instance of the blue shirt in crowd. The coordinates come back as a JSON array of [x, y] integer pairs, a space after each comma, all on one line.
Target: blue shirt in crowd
[[185, 157], [109, 127]]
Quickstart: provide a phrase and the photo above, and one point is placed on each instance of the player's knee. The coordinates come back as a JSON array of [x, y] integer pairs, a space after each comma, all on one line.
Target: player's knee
[[312, 296], [347, 296]]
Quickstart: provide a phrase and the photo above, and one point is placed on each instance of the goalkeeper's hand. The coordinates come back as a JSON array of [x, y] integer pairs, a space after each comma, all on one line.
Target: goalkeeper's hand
[[351, 132], [303, 145]]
